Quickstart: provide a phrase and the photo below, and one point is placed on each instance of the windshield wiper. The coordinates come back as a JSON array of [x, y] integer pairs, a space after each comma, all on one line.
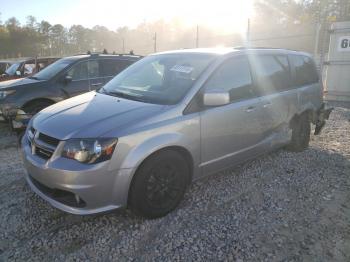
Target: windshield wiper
[[124, 95], [102, 91]]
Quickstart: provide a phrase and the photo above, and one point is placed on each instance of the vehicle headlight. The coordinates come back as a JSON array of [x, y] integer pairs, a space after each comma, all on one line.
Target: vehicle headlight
[[89, 151], [5, 93]]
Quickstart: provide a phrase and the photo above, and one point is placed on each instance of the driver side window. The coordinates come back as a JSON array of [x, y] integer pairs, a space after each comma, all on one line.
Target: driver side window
[[234, 77]]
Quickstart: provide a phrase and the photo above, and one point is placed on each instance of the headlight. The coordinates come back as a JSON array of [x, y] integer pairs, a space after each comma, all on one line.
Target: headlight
[[89, 151], [5, 93]]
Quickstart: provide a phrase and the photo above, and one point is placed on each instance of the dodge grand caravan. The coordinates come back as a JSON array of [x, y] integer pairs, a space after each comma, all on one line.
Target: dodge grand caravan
[[167, 120]]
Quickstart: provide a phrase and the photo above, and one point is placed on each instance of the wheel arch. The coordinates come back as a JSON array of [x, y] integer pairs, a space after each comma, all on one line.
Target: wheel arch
[[310, 112], [179, 149], [38, 100]]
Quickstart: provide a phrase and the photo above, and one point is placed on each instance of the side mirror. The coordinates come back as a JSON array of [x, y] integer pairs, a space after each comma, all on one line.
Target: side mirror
[[216, 98], [67, 79], [18, 73]]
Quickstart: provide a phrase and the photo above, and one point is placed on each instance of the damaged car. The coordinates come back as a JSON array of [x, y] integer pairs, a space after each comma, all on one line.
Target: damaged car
[[167, 120], [26, 67]]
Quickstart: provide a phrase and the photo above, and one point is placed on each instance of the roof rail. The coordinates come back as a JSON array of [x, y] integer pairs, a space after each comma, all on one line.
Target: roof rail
[[133, 55], [261, 47], [100, 53], [255, 47]]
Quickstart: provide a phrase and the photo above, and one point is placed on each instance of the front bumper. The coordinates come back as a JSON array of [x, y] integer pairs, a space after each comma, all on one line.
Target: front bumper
[[74, 187], [17, 118], [8, 111]]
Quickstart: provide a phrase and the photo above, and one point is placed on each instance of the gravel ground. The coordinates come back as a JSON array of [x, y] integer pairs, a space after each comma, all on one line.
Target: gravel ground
[[280, 207]]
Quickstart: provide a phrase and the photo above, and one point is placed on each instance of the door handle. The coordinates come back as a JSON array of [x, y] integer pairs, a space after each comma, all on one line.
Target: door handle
[[96, 84], [250, 109]]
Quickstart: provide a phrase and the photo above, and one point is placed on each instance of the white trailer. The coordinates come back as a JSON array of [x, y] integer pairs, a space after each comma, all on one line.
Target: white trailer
[[337, 64]]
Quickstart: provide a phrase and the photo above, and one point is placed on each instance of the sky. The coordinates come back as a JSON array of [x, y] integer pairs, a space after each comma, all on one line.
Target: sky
[[226, 15]]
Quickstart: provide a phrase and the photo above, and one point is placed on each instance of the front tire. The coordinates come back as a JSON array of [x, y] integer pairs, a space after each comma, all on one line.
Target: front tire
[[159, 184], [301, 129], [36, 107]]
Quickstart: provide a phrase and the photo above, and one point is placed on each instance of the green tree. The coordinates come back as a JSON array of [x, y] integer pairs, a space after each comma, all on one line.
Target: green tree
[[31, 22], [13, 24], [58, 37]]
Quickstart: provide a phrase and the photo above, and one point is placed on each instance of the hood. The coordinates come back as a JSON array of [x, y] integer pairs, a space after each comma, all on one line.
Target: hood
[[9, 82], [91, 115], [20, 82]]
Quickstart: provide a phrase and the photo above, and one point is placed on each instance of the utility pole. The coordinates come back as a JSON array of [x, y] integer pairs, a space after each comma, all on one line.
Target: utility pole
[[248, 33], [123, 46], [318, 29], [317, 38], [155, 42], [197, 37]]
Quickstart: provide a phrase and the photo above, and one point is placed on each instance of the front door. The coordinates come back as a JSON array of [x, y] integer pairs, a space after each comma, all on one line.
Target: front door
[[80, 79], [231, 133]]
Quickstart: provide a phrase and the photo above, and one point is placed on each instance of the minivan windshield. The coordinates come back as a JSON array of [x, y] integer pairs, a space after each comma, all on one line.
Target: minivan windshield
[[159, 79], [52, 70], [12, 69]]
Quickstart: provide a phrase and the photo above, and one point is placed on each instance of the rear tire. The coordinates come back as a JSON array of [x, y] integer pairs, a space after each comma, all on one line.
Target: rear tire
[[159, 184], [301, 130]]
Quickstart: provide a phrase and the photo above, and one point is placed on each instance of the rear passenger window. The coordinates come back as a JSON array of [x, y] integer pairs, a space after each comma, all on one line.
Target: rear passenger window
[[233, 76], [272, 73], [113, 67], [305, 70]]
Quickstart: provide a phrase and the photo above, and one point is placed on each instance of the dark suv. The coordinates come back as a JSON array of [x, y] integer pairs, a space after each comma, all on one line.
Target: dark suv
[[63, 79]]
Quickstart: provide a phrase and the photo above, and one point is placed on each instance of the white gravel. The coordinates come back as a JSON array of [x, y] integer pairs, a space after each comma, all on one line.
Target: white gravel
[[280, 207]]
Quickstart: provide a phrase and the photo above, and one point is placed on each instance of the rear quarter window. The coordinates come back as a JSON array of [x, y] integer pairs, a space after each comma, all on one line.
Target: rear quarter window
[[305, 70]]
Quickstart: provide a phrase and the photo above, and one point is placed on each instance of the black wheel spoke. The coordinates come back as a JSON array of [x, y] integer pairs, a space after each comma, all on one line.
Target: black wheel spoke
[[162, 188], [159, 184], [175, 188], [169, 195]]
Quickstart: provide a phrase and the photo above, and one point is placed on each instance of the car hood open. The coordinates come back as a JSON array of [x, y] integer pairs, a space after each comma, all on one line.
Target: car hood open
[[91, 115]]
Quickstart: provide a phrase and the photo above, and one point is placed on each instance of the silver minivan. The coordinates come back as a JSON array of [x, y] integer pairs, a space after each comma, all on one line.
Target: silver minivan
[[167, 120]]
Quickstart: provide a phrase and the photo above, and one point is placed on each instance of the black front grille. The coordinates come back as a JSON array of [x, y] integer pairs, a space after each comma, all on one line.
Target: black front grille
[[43, 153], [62, 196], [48, 139], [44, 146]]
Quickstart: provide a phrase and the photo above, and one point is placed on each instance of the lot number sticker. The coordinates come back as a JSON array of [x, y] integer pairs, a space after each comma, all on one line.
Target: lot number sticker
[[344, 43]]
